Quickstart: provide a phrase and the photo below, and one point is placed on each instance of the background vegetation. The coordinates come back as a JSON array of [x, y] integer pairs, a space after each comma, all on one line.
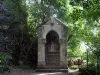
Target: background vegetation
[[20, 37]]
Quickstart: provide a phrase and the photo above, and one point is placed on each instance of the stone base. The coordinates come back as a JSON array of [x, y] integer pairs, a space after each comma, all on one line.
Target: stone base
[[52, 69]]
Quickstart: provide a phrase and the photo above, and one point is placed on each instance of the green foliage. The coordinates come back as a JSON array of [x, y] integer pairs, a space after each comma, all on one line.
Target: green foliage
[[39, 11], [82, 17], [17, 9], [4, 61], [73, 67]]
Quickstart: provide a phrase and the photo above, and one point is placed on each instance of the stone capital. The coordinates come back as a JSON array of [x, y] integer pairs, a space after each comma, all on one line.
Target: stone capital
[[62, 40], [43, 41]]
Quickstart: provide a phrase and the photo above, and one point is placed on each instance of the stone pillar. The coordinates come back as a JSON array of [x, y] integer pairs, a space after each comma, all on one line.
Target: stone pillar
[[63, 53], [41, 52]]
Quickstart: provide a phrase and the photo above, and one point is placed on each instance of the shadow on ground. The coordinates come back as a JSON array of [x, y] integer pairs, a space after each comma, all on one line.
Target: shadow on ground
[[35, 73], [53, 73], [18, 71]]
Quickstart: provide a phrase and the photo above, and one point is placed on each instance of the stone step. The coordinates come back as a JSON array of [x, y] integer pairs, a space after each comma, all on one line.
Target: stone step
[[52, 67], [52, 70]]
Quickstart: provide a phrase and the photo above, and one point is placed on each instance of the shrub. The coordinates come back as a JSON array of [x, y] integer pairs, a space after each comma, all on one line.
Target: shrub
[[73, 67], [4, 60], [90, 71]]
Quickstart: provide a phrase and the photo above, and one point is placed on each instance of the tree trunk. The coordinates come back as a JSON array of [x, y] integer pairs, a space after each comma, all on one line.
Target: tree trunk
[[87, 59], [97, 66]]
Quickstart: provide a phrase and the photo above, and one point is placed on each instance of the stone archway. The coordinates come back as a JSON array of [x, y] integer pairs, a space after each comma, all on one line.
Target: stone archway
[[52, 49]]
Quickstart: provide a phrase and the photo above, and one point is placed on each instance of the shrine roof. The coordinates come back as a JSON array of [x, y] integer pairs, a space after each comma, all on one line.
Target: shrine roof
[[56, 19]]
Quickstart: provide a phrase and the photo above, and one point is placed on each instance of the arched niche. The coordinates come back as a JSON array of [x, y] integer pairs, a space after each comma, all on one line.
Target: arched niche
[[57, 32], [52, 49], [52, 36]]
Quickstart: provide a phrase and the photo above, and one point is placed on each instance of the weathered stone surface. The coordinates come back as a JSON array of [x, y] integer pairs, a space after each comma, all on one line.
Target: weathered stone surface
[[54, 55]]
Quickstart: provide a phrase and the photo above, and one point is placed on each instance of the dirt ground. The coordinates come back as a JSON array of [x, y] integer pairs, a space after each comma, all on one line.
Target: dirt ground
[[18, 71]]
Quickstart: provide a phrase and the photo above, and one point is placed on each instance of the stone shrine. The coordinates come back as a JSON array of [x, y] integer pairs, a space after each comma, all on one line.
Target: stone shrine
[[52, 45]]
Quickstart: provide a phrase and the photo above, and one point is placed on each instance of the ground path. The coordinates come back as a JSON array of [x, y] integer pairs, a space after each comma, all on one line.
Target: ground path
[[17, 71]]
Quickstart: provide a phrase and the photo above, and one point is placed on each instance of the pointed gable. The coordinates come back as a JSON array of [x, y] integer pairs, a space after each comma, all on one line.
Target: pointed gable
[[53, 21]]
